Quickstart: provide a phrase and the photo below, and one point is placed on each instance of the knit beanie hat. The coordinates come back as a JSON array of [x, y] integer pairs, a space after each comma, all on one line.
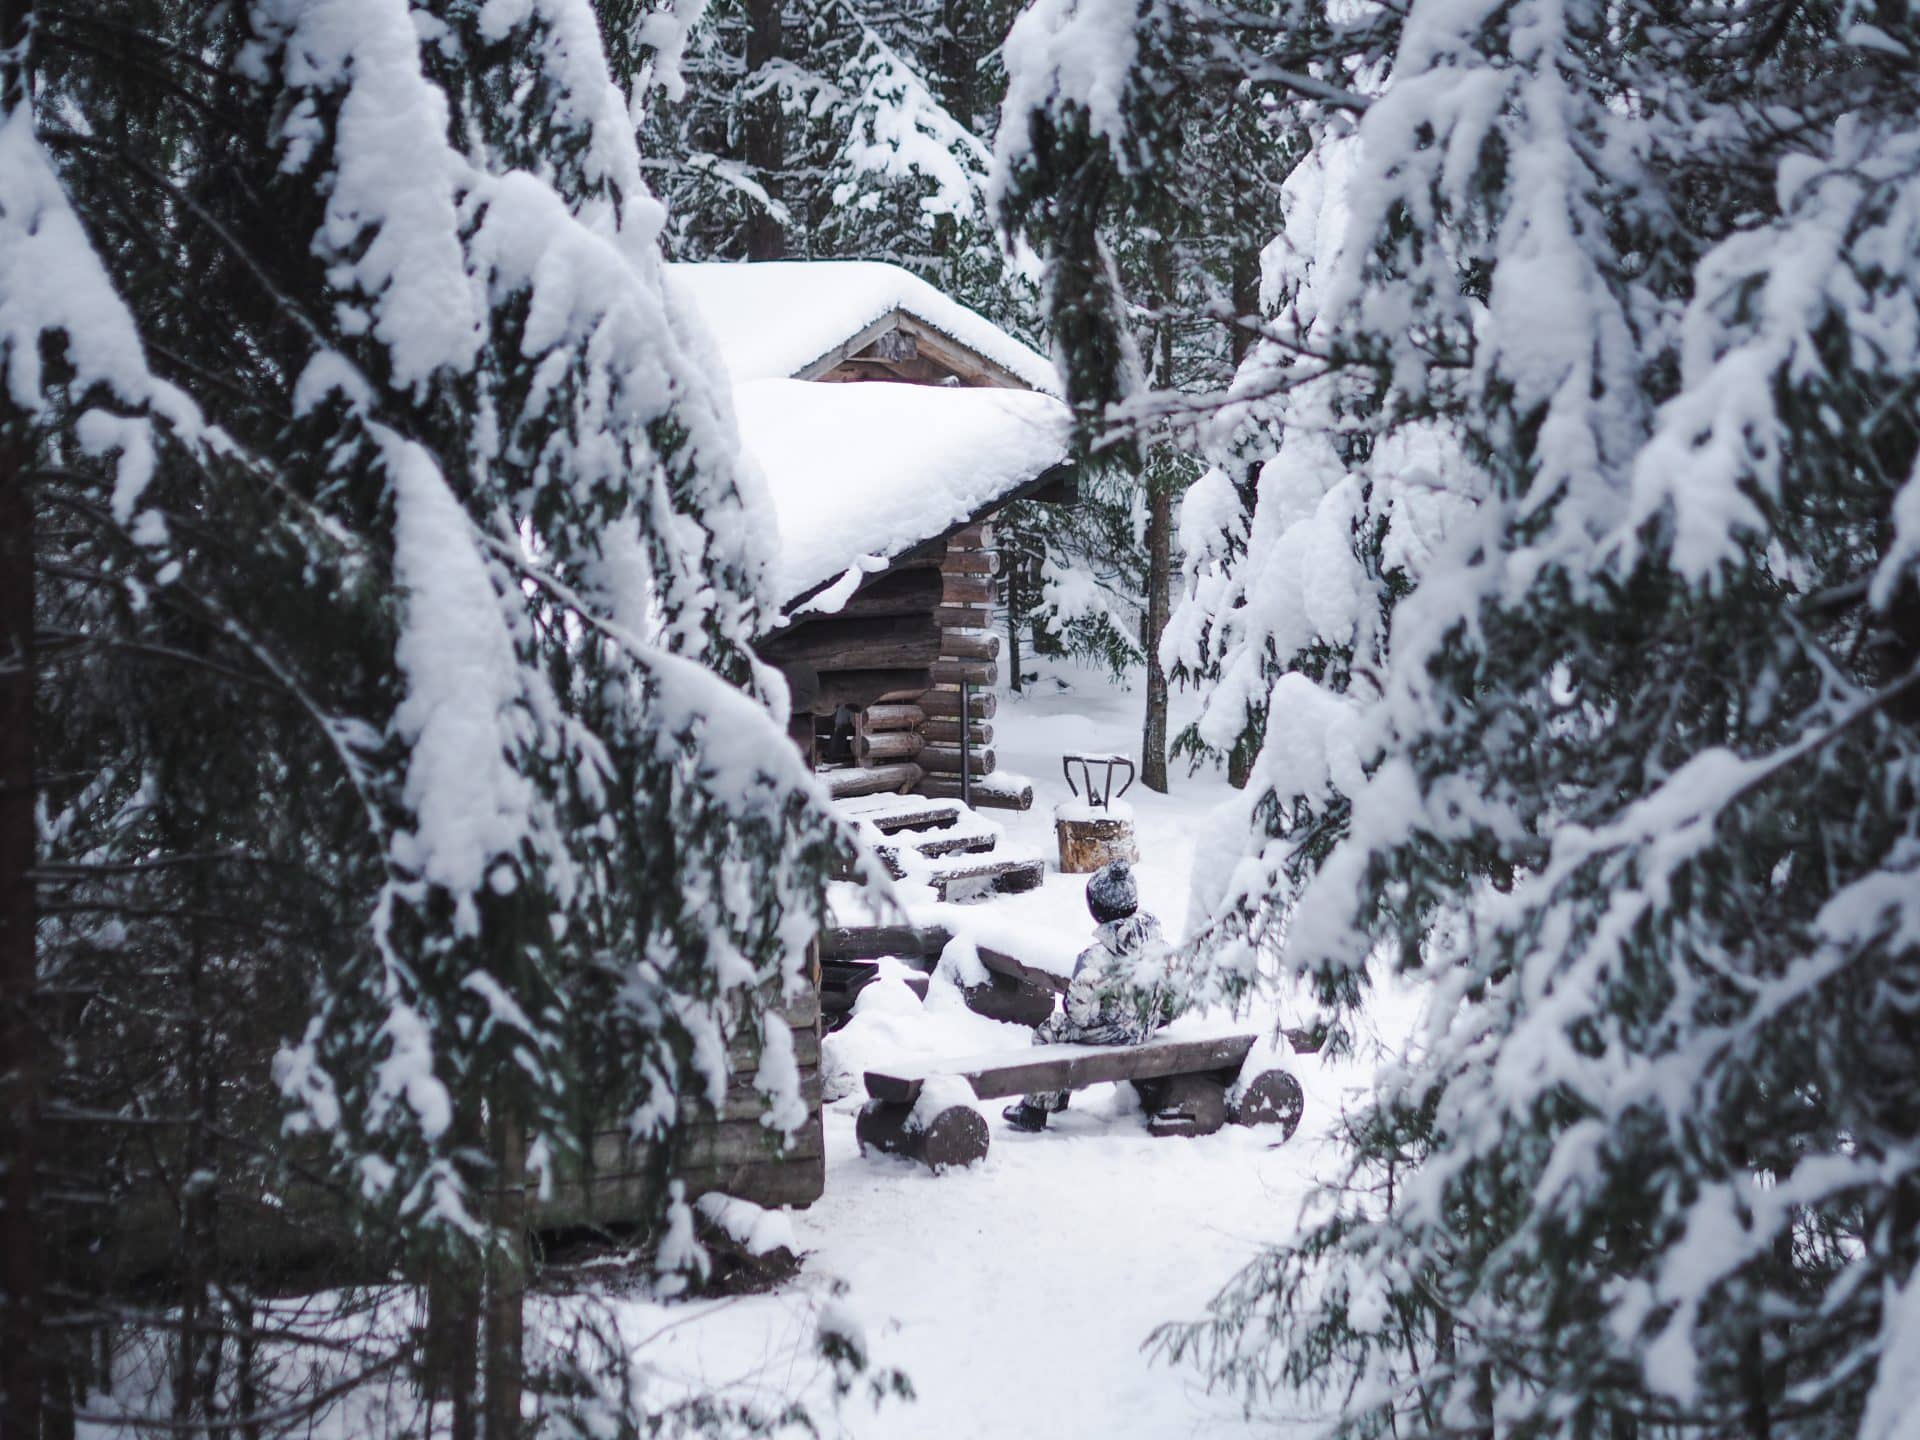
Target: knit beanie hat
[[1111, 893]]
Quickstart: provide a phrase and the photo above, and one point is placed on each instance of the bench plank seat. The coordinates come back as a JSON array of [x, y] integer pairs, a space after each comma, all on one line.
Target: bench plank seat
[[1067, 1067]]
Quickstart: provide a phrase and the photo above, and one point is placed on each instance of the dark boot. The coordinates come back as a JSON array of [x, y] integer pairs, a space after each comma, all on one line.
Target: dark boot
[[1030, 1118]]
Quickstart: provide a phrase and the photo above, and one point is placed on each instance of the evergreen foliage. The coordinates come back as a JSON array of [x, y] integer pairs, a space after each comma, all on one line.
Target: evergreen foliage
[[398, 731], [1573, 599]]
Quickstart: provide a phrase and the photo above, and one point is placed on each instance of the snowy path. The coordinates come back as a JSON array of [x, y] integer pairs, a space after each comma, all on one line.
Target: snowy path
[[1016, 1295]]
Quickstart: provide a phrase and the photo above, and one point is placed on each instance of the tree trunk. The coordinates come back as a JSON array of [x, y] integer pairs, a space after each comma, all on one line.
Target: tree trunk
[[20, 1244], [506, 1283], [764, 142], [1158, 477], [1153, 750]]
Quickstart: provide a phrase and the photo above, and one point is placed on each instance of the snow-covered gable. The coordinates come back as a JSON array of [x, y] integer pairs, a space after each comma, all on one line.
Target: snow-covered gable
[[861, 473], [794, 319]]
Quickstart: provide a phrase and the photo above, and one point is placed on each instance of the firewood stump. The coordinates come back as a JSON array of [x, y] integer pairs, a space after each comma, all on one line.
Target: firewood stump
[[1091, 837]]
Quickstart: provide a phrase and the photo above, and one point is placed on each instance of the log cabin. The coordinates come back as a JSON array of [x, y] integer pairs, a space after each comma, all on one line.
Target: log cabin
[[889, 424]]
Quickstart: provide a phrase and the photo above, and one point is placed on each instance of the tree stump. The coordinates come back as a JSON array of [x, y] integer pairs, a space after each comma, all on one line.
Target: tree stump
[[955, 1136], [1272, 1097], [1091, 839]]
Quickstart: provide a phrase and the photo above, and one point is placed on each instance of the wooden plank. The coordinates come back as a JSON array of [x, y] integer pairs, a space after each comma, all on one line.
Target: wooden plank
[[1067, 1067], [947, 759], [870, 942], [969, 645], [872, 781], [893, 717], [943, 731], [953, 672], [963, 617], [945, 702], [966, 589], [971, 537], [863, 687]]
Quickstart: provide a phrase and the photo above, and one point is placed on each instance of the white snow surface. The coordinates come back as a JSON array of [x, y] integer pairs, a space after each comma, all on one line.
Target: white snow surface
[[773, 318], [1016, 1293], [869, 470]]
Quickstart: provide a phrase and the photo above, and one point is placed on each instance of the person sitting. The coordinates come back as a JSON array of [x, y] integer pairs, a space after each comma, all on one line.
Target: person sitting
[[1119, 994]]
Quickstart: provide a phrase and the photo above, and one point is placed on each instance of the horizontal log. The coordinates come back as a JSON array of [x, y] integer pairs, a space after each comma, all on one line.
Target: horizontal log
[[989, 792], [891, 717], [973, 537], [969, 645], [1011, 1002], [1069, 1067], [743, 1053], [874, 781], [895, 592], [862, 687], [941, 730], [624, 1198], [888, 745], [745, 1102], [720, 1142], [966, 589], [954, 672], [888, 642], [1011, 968], [870, 942], [978, 563], [946, 759], [955, 1137], [945, 702], [970, 562], [963, 617]]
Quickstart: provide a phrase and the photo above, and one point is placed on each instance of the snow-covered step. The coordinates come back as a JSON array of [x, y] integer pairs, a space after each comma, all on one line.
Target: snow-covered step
[[967, 877], [890, 814]]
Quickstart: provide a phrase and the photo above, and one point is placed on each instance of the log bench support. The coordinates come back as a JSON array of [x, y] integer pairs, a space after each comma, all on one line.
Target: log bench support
[[1188, 1087]]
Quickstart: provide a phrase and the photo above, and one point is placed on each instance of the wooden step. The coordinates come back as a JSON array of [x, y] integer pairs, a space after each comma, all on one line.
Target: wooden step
[[890, 814], [965, 842], [1007, 876]]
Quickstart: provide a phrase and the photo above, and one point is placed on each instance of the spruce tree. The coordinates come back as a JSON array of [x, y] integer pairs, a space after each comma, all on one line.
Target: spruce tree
[[1620, 752], [395, 701]]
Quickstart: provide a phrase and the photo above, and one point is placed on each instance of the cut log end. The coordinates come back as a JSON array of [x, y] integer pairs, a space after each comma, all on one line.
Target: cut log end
[[957, 1136], [1273, 1097]]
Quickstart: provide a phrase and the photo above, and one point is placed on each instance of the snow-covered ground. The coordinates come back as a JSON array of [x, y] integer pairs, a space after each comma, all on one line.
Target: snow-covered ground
[[1016, 1295]]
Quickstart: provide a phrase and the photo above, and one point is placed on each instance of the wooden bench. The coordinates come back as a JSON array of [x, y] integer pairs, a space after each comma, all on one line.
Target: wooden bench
[[1183, 1083]]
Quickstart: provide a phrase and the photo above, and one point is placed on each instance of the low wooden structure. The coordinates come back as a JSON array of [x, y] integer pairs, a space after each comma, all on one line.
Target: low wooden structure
[[1187, 1086]]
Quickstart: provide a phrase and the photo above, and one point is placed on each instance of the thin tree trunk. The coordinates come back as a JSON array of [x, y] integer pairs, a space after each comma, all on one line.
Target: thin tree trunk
[[451, 1353], [1153, 757], [765, 147], [20, 1243], [506, 1282], [1153, 747]]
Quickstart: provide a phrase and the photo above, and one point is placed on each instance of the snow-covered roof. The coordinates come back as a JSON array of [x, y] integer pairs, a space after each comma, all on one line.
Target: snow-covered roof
[[871, 470], [775, 318]]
